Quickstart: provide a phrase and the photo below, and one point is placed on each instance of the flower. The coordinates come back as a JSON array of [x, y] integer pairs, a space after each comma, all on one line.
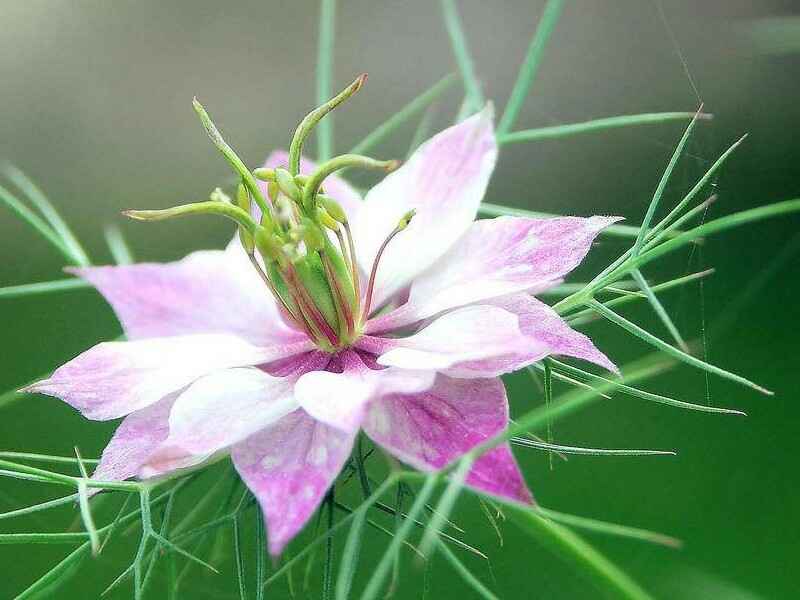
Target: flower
[[405, 338]]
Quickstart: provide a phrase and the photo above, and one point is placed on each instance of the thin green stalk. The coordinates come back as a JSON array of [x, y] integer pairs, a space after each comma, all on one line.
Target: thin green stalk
[[648, 337], [120, 251], [59, 226], [475, 583], [561, 131], [375, 583], [444, 508], [530, 66], [582, 317], [44, 287], [607, 528], [662, 185], [570, 547], [623, 267], [645, 395], [416, 106], [39, 226], [327, 573], [659, 309], [701, 183], [520, 441], [327, 28], [458, 41]]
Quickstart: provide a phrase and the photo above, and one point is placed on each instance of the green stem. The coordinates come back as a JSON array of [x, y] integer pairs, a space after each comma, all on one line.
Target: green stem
[[560, 131], [530, 67]]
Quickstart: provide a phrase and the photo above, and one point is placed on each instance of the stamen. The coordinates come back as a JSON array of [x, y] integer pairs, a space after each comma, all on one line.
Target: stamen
[[351, 253], [343, 311], [308, 308], [401, 225]]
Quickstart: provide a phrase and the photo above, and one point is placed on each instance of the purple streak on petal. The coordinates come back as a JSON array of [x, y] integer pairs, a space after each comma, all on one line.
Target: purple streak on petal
[[429, 430], [444, 181], [114, 379], [497, 257], [543, 325], [289, 467], [210, 291]]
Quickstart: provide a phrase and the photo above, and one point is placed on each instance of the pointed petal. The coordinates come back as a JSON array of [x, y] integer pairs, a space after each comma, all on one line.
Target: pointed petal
[[431, 429], [134, 440], [474, 341], [335, 186], [544, 327], [210, 291], [113, 379], [289, 466], [497, 257], [338, 397], [444, 181]]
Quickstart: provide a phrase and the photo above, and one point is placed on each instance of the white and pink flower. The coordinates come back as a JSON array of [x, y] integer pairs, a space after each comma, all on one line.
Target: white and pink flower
[[215, 364]]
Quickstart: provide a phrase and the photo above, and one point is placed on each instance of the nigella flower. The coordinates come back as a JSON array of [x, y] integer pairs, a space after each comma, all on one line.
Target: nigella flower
[[328, 315]]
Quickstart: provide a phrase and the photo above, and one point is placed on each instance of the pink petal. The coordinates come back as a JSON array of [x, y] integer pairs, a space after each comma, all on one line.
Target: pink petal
[[338, 396], [474, 341], [444, 181], [113, 379], [497, 257], [289, 467], [207, 292], [335, 186], [217, 411], [431, 429], [543, 326], [133, 442]]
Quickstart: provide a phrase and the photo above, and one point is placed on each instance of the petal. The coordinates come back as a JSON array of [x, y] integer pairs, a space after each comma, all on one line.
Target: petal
[[431, 429], [497, 257], [134, 440], [475, 341], [209, 291], [335, 186], [289, 466], [338, 398], [543, 326], [444, 181], [219, 410], [113, 379]]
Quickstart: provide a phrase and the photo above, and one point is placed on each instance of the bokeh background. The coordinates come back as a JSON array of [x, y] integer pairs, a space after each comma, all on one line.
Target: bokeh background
[[96, 108]]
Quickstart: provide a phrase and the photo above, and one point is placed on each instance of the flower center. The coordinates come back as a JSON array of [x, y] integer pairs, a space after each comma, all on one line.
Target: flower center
[[301, 245]]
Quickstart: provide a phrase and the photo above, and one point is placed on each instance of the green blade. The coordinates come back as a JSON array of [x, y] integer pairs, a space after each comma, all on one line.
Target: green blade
[[530, 66], [570, 129]]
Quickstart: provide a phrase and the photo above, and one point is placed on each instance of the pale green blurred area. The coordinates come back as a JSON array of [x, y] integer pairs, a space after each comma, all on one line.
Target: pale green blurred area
[[96, 107]]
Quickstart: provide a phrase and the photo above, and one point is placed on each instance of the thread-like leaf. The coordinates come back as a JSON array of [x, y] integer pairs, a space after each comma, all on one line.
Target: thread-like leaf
[[560, 131]]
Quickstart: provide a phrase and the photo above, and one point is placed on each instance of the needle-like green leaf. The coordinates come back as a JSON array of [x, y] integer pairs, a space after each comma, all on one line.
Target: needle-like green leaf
[[560, 131], [530, 66]]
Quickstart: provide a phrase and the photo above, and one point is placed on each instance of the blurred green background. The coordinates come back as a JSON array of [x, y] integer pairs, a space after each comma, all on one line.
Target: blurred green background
[[96, 108]]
